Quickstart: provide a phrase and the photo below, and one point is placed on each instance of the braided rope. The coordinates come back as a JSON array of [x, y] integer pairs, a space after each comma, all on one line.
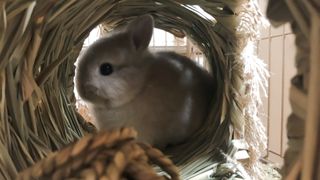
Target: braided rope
[[106, 155]]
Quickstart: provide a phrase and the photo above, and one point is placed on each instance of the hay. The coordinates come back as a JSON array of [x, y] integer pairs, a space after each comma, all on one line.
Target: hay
[[108, 155], [40, 41]]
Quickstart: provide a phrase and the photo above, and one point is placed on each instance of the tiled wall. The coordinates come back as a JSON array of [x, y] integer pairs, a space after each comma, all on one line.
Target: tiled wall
[[276, 47]]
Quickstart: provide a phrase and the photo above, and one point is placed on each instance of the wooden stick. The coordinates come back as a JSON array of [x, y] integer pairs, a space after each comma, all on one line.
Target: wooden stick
[[295, 170], [298, 16], [313, 112]]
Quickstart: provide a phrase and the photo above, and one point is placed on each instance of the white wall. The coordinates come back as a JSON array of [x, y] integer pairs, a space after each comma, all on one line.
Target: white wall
[[276, 47]]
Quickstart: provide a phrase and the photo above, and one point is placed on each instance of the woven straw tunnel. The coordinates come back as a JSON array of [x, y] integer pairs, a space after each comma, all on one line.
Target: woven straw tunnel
[[301, 159], [41, 40]]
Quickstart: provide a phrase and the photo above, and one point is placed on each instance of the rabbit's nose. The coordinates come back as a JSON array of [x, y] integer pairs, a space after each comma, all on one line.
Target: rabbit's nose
[[90, 89]]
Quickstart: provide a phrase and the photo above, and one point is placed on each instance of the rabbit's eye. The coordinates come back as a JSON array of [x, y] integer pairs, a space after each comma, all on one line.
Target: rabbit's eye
[[106, 69]]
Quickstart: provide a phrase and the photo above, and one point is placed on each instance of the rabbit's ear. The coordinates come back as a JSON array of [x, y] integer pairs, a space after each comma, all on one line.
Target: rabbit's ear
[[140, 31]]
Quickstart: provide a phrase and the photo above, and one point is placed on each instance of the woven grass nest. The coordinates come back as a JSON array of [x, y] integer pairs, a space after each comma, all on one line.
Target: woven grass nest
[[41, 40]]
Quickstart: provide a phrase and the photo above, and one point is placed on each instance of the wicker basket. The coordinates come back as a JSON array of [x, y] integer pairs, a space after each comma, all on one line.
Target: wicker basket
[[40, 41]]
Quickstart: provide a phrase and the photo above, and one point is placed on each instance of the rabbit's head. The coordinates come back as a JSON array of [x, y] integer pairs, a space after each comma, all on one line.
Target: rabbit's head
[[112, 70]]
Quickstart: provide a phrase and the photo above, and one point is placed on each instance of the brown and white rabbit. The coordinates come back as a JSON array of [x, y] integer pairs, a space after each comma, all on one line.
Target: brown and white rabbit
[[164, 96]]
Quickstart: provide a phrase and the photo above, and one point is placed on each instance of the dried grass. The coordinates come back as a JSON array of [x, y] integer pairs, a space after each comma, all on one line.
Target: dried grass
[[40, 41]]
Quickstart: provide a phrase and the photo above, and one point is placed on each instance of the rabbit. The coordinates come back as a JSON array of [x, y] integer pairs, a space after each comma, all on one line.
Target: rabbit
[[165, 96]]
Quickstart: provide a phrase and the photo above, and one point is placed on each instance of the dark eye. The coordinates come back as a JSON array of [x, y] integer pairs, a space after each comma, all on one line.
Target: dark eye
[[106, 69]]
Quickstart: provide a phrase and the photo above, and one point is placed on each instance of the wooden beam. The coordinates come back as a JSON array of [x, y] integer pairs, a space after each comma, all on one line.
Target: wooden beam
[[295, 170], [310, 153]]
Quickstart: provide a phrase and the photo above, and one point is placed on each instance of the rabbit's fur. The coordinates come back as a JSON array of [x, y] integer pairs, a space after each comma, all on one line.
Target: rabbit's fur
[[164, 96]]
